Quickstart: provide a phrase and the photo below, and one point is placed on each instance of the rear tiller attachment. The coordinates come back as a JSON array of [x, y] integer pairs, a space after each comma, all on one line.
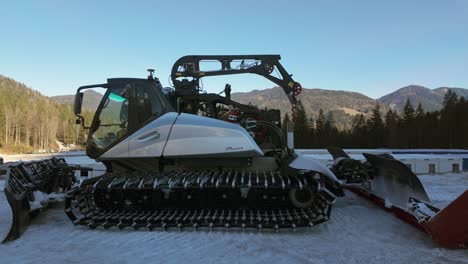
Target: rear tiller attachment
[[30, 186]]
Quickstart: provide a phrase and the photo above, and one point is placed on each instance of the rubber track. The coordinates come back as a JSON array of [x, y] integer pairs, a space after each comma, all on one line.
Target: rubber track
[[84, 204]]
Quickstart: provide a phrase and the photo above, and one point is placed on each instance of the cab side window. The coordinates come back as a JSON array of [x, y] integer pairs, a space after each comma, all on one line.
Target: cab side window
[[147, 105]]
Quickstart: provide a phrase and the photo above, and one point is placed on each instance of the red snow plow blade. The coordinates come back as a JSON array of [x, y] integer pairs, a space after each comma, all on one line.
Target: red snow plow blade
[[397, 189], [391, 185], [449, 227], [28, 188]]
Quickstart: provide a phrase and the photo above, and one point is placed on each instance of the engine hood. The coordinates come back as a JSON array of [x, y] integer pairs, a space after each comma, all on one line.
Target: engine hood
[[198, 136]]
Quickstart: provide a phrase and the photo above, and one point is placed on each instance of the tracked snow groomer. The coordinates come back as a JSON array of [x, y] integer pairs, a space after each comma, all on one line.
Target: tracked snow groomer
[[391, 185], [181, 157]]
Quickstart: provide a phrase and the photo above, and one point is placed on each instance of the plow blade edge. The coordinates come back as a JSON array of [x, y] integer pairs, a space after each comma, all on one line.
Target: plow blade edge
[[394, 182], [449, 227]]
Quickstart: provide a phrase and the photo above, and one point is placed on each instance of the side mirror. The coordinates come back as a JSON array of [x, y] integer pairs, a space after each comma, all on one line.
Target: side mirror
[[78, 102]]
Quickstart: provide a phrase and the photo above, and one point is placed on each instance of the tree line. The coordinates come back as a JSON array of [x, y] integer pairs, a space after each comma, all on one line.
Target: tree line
[[30, 121], [411, 128]]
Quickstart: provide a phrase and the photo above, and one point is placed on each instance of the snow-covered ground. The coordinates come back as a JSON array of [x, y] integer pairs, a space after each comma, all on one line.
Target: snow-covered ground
[[27, 157], [358, 232]]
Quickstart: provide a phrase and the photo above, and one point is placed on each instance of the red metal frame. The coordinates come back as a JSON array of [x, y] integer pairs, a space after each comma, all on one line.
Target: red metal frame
[[449, 227]]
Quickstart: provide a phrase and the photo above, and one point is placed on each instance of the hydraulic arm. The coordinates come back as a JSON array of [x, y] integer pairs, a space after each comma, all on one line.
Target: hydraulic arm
[[188, 70]]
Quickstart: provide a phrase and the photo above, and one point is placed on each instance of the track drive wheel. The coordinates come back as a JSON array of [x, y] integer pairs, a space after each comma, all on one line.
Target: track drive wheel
[[302, 198]]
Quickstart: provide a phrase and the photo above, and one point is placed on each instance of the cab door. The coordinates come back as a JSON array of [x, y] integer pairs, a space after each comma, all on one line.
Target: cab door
[[149, 123]]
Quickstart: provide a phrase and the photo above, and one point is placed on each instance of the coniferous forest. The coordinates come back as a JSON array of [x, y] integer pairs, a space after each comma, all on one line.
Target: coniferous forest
[[412, 128], [30, 121]]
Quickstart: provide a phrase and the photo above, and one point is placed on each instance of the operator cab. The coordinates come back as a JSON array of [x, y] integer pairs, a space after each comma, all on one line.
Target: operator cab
[[127, 105]]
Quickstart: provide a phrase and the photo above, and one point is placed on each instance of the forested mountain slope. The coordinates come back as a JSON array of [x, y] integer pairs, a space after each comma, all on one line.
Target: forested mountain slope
[[31, 121], [312, 99], [343, 105]]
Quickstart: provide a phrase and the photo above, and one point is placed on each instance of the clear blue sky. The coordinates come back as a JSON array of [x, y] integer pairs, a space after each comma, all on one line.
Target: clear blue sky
[[372, 47]]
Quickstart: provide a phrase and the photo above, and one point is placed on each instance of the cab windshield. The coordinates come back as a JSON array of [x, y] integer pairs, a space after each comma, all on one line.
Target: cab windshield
[[112, 122], [124, 109]]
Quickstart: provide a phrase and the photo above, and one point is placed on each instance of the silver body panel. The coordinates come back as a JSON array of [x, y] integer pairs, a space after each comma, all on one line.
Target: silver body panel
[[303, 162], [199, 136], [176, 135], [118, 151], [186, 135], [151, 139]]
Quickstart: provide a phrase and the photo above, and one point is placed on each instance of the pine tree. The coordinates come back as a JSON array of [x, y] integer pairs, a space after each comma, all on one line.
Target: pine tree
[[391, 129], [320, 128], [419, 111], [408, 111], [448, 118], [376, 127], [450, 99], [330, 131], [419, 127], [359, 132], [312, 135], [320, 123], [301, 128], [329, 122], [408, 135]]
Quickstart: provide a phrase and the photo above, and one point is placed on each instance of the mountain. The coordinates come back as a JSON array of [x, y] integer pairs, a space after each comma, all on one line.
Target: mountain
[[91, 99], [459, 91], [342, 104], [431, 100]]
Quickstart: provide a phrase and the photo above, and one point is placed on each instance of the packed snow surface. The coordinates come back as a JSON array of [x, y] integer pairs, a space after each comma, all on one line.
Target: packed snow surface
[[358, 232]]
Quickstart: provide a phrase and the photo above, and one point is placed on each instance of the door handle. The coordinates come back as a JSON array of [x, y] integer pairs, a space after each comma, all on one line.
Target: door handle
[[153, 135]]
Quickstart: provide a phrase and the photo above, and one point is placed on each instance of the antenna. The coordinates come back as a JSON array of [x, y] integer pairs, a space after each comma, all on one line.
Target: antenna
[[151, 74]]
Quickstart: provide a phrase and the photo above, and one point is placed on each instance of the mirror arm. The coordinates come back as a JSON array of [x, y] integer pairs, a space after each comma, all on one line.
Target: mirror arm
[[81, 121]]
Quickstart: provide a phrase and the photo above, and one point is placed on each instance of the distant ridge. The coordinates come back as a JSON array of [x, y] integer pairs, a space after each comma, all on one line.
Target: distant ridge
[[431, 100], [91, 99], [342, 104]]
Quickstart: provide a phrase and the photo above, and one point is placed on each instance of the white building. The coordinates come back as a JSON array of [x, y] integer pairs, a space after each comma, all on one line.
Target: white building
[[430, 164]]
